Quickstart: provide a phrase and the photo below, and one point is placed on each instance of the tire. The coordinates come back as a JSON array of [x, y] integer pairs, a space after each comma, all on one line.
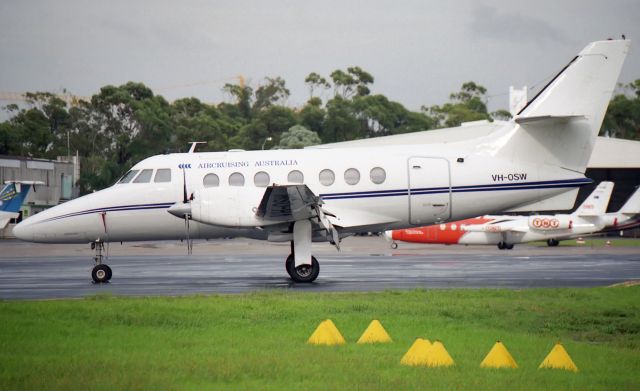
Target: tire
[[501, 245], [552, 242], [303, 273], [394, 245], [508, 246], [101, 273]]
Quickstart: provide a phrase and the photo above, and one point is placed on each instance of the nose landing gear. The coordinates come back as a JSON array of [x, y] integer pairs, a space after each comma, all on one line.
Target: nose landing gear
[[101, 272]]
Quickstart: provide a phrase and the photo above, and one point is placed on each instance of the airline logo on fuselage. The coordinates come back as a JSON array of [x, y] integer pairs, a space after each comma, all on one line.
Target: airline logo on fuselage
[[245, 163], [182, 166]]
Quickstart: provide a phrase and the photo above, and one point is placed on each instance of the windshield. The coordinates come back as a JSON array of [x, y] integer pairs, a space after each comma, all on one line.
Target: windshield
[[128, 176]]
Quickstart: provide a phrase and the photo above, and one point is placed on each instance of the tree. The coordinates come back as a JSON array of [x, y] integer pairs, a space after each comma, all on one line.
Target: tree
[[273, 91], [314, 81], [623, 115], [466, 105], [298, 137]]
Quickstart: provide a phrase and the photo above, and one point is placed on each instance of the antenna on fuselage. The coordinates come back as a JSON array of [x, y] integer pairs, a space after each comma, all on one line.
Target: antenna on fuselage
[[192, 149]]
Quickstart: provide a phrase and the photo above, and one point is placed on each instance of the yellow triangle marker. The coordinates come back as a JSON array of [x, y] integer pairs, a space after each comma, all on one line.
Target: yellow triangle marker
[[558, 358], [417, 353], [437, 356], [375, 333], [326, 334], [498, 357]]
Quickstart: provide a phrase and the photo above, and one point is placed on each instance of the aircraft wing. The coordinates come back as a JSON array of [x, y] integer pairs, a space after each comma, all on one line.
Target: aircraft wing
[[288, 203]]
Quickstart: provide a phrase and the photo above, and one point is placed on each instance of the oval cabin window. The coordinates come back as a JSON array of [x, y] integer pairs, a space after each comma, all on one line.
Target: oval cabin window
[[211, 180], [236, 179], [378, 175], [352, 176], [327, 177], [261, 179], [295, 176]]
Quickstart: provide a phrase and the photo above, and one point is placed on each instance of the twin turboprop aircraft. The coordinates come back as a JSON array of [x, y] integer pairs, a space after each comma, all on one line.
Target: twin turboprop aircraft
[[505, 231], [535, 162]]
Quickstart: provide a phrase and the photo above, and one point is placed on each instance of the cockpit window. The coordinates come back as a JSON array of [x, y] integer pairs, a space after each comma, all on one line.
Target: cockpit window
[[163, 175], [128, 176], [144, 176]]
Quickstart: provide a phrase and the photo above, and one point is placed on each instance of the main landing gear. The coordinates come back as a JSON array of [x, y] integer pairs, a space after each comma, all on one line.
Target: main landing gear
[[552, 242], [101, 272], [306, 268], [505, 246], [302, 273]]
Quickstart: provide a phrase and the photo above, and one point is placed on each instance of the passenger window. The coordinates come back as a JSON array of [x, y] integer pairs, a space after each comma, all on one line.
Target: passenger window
[[327, 177], [128, 176], [144, 177], [378, 175], [261, 179], [211, 180], [236, 179], [163, 175], [352, 176], [295, 176]]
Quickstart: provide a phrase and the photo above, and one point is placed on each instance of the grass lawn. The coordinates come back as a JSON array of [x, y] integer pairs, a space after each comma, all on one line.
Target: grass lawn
[[595, 242], [258, 340]]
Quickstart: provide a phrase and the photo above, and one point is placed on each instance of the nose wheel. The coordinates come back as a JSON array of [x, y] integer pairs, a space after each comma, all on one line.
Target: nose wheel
[[101, 272], [302, 273]]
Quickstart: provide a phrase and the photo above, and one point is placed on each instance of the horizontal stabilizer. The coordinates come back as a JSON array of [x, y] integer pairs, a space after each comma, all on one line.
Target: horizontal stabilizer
[[544, 119], [563, 201]]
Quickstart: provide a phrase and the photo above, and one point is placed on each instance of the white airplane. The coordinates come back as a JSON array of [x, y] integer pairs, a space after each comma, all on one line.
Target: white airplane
[[535, 162], [505, 231], [12, 197]]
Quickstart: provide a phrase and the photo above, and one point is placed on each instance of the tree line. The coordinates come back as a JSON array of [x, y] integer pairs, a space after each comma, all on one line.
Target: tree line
[[121, 125]]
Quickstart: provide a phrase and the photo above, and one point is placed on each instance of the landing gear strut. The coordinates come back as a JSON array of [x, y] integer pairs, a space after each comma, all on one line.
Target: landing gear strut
[[101, 272]]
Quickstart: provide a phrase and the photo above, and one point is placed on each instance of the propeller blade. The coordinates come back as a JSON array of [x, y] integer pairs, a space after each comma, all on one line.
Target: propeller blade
[[184, 187]]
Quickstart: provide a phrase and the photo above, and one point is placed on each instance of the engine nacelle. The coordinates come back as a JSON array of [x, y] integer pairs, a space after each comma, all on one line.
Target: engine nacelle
[[232, 206], [549, 223]]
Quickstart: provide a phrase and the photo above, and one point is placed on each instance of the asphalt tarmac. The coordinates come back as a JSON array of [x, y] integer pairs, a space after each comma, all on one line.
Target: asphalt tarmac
[[40, 271]]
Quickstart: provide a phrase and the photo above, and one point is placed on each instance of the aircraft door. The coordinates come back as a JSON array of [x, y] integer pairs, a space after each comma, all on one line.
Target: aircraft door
[[429, 190]]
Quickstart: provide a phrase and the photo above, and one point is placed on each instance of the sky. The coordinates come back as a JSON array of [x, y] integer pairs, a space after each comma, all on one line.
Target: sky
[[419, 51]]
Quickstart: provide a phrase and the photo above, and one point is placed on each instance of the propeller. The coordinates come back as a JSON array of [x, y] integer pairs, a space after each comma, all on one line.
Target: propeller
[[183, 210]]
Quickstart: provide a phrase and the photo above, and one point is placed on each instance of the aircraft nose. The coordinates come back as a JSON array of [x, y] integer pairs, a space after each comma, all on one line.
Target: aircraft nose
[[23, 231]]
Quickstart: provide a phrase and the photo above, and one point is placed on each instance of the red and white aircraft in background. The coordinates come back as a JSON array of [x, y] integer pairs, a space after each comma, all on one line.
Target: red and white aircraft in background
[[505, 231]]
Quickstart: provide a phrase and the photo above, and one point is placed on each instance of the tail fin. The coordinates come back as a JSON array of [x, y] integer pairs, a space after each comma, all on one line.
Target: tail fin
[[596, 203], [12, 196], [560, 124], [632, 206]]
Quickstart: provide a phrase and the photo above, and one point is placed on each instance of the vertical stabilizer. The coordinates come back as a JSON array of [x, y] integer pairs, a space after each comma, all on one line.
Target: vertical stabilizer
[[559, 126], [596, 203], [632, 206]]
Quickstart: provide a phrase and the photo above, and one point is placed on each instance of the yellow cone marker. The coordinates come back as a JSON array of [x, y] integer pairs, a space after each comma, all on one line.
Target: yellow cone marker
[[498, 357], [417, 353], [375, 333], [559, 358], [437, 356], [326, 334]]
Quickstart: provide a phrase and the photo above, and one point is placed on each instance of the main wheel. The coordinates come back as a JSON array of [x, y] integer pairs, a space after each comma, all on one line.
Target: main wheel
[[552, 242], [508, 246], [101, 273], [501, 245], [302, 273]]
